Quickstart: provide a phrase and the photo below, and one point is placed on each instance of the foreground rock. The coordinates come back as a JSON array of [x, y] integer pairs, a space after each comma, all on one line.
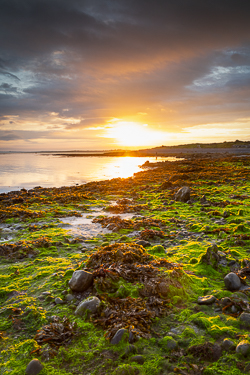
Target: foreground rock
[[34, 367], [80, 281], [232, 281], [243, 347]]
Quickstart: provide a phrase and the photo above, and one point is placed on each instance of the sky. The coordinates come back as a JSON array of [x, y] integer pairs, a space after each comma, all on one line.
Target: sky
[[100, 74]]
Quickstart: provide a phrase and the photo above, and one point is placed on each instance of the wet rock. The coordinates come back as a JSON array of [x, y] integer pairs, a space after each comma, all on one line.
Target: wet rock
[[183, 194], [245, 318], [34, 367], [227, 345], [91, 304], [118, 336], [206, 300], [232, 281], [138, 359], [80, 281], [243, 347]]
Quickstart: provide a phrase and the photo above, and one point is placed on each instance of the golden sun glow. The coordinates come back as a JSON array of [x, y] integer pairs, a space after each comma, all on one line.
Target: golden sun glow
[[133, 134]]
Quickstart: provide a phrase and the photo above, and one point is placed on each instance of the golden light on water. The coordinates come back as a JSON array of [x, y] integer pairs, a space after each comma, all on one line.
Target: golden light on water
[[133, 134]]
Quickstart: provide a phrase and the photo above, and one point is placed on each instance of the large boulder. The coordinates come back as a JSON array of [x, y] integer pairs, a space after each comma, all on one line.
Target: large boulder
[[80, 281], [232, 281], [183, 194]]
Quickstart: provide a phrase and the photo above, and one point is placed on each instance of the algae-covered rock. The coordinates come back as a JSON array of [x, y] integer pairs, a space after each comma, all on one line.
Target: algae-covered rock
[[183, 194], [80, 281], [34, 367], [206, 300], [91, 304], [168, 343], [211, 257], [232, 281]]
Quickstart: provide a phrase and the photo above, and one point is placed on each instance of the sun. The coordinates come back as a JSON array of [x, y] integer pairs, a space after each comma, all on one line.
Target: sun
[[132, 134]]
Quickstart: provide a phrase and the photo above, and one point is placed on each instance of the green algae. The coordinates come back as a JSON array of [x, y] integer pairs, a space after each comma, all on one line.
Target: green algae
[[51, 268]]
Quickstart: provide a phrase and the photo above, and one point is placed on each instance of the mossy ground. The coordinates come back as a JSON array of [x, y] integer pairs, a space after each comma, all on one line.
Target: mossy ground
[[38, 261]]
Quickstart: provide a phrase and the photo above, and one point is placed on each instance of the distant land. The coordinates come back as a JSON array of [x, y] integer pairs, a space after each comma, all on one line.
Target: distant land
[[237, 147]]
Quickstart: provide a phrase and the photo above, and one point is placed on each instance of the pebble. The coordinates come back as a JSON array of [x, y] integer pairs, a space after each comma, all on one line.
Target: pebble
[[34, 367]]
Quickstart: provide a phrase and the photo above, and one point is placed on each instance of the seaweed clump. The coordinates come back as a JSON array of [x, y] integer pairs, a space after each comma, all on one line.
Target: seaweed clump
[[131, 264]]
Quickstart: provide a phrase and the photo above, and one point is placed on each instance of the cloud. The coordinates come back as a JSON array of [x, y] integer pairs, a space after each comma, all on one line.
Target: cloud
[[180, 62]]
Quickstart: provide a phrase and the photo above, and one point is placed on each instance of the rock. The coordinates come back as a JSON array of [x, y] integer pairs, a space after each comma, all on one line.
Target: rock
[[245, 318], [138, 359], [243, 347], [58, 301], [34, 367], [225, 301], [206, 300], [118, 336], [143, 243], [69, 297], [226, 214], [183, 194], [203, 199], [232, 281], [172, 344], [211, 257], [91, 304], [131, 349], [80, 281], [166, 185], [227, 345]]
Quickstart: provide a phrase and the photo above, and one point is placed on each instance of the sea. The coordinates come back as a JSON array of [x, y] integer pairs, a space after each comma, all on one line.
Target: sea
[[28, 170]]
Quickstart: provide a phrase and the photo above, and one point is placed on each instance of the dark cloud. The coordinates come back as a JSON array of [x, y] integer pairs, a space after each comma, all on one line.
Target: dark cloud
[[112, 58]]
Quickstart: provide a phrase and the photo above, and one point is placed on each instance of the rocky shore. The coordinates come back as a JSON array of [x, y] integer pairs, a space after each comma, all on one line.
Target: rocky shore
[[161, 287]]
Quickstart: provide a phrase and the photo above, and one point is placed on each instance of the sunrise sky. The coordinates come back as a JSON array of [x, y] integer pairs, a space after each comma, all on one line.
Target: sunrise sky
[[101, 74]]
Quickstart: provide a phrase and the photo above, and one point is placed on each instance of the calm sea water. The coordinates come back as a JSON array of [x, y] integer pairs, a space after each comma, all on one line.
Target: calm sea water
[[27, 170]]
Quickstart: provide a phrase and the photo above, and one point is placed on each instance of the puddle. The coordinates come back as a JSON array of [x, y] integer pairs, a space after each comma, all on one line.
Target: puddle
[[83, 226]]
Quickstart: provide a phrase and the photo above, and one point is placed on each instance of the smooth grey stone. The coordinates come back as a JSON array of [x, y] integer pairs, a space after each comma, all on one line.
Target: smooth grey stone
[[118, 336], [91, 304], [206, 300], [243, 347], [80, 281], [232, 281], [34, 367], [227, 345]]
